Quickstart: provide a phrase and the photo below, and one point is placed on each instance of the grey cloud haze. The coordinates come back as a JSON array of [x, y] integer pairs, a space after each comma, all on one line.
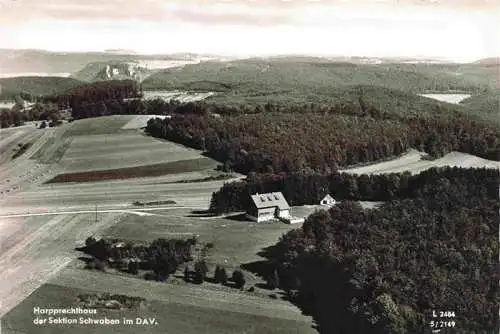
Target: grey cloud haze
[[458, 29], [198, 11]]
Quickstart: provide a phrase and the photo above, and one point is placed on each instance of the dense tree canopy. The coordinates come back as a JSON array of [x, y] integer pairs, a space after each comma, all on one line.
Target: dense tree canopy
[[384, 270], [98, 98], [281, 141]]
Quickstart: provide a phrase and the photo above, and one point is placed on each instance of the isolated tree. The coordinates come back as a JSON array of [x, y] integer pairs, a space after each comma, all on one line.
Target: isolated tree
[[187, 274], [239, 278], [200, 271], [90, 241], [133, 267], [163, 267], [220, 275]]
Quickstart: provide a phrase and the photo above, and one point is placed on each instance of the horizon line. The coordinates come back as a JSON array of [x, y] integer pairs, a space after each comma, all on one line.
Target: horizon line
[[132, 52]]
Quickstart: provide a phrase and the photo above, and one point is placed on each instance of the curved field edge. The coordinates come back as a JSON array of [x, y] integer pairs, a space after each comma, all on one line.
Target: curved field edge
[[414, 162]]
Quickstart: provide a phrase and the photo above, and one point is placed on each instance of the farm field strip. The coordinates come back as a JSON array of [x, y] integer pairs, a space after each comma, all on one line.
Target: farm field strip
[[118, 161], [167, 190], [44, 247], [25, 172], [122, 150], [140, 121], [413, 163], [9, 147]]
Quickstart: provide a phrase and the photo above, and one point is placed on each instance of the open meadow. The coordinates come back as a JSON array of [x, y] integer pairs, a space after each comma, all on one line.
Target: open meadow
[[412, 162], [217, 309], [97, 145], [42, 223]]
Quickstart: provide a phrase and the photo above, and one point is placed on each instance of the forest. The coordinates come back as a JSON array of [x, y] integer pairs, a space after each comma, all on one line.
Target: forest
[[33, 87], [277, 139], [116, 97], [299, 76], [98, 99], [384, 270]]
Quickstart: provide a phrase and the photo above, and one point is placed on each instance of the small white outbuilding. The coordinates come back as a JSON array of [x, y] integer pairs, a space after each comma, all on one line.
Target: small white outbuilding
[[328, 200]]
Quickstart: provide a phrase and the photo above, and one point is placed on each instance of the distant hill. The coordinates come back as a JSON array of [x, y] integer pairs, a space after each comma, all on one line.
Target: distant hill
[[492, 61], [309, 75], [40, 61], [112, 70], [485, 105], [35, 86]]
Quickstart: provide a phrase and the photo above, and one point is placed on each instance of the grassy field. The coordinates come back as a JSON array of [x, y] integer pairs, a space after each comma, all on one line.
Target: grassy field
[[97, 126], [36, 248], [235, 241], [179, 307], [102, 148], [175, 167], [413, 163], [126, 149], [175, 314]]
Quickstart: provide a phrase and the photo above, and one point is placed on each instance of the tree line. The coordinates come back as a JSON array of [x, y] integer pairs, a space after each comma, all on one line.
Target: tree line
[[160, 258], [90, 100], [303, 187], [97, 99]]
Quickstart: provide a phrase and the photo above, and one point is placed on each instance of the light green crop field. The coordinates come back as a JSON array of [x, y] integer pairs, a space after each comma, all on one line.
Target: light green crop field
[[98, 126], [131, 149]]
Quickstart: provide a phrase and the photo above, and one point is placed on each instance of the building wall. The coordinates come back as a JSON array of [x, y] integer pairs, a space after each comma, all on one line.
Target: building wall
[[265, 214], [284, 213], [327, 202]]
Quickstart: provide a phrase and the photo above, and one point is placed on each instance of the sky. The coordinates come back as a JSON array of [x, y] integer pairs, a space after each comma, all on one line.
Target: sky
[[459, 30]]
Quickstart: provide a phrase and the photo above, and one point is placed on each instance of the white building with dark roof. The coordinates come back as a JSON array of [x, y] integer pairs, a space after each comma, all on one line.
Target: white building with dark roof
[[268, 206]]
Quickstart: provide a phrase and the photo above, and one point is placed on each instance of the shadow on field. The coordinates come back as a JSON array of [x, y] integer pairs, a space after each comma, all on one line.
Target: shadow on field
[[87, 260], [240, 217], [265, 269], [201, 214]]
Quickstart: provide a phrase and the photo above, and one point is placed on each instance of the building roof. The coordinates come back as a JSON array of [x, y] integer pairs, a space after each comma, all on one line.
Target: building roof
[[328, 198], [269, 200]]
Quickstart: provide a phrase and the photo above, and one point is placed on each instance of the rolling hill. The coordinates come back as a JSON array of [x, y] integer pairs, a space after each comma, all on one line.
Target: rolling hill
[[485, 105], [40, 61], [307, 75], [11, 87]]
